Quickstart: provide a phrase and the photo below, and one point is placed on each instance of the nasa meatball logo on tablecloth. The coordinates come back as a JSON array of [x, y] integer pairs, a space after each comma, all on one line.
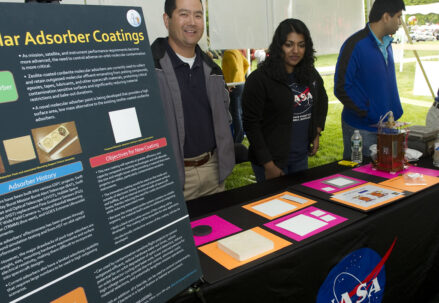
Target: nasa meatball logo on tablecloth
[[359, 277]]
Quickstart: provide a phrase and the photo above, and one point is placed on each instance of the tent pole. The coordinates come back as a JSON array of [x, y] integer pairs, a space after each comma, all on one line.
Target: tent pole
[[417, 58], [401, 52]]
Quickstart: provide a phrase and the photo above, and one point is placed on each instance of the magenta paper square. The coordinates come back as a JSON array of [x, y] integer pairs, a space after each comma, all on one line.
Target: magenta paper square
[[368, 169], [307, 212], [220, 228], [321, 185]]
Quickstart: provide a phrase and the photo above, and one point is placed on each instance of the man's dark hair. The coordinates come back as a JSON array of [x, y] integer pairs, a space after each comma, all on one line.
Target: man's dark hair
[[274, 65], [380, 7], [170, 6]]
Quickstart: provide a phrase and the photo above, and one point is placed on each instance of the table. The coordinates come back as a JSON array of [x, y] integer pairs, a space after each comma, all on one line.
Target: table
[[412, 269]]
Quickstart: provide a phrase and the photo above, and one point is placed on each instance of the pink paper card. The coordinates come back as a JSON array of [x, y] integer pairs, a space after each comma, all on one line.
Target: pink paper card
[[334, 183], [305, 223], [220, 228], [368, 169]]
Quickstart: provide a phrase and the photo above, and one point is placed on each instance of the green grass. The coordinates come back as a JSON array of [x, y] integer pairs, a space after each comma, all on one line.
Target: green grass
[[331, 141], [326, 60], [411, 54], [405, 81], [329, 60]]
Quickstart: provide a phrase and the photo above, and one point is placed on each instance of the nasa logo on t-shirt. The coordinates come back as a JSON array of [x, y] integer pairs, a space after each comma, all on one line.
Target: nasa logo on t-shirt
[[301, 98], [359, 278]]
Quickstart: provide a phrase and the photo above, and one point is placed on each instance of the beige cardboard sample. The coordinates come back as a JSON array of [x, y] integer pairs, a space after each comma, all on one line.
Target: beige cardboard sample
[[245, 245], [19, 149]]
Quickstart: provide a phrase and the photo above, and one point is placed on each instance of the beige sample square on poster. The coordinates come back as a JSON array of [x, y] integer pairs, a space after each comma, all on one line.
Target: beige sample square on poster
[[19, 150], [245, 245], [125, 124]]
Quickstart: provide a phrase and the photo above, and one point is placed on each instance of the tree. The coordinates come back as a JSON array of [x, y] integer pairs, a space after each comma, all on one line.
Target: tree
[[417, 2], [423, 19]]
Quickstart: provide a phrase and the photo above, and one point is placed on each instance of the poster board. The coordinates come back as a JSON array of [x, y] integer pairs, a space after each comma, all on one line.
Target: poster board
[[278, 205], [368, 169], [91, 209], [417, 184], [368, 196]]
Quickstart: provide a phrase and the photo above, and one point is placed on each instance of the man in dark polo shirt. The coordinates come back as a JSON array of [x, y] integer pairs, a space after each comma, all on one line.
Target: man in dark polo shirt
[[195, 100]]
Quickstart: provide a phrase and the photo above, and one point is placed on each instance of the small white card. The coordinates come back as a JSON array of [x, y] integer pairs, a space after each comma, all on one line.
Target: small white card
[[294, 199], [328, 218], [340, 182], [328, 188], [274, 207], [318, 213], [301, 225]]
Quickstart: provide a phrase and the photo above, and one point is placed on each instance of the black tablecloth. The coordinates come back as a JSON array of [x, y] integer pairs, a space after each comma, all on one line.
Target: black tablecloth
[[412, 270]]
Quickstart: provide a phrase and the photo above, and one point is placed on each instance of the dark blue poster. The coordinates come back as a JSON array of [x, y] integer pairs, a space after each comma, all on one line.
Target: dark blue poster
[[91, 209]]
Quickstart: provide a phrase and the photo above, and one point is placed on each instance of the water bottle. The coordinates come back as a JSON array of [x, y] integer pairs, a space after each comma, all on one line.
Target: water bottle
[[357, 147], [436, 152]]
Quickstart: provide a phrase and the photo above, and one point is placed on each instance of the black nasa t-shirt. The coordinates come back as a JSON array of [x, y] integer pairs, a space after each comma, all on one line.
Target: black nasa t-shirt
[[302, 107]]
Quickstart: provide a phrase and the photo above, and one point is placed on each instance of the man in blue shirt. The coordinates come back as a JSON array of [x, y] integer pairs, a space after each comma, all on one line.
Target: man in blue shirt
[[365, 80]]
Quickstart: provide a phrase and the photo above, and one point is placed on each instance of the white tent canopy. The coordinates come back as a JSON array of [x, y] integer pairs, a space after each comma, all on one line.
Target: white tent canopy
[[251, 23], [424, 9]]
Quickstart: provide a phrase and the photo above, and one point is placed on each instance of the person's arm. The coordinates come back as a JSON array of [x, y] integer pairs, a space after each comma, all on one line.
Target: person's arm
[[315, 143], [253, 103], [321, 111], [272, 171], [322, 103], [346, 85]]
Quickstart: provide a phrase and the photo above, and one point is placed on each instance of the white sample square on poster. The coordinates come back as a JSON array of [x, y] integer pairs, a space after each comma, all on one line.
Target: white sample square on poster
[[328, 218], [340, 182], [301, 225], [318, 213], [125, 124], [274, 207]]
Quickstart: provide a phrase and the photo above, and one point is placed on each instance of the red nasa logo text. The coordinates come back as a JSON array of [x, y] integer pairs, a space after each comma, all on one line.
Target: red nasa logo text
[[359, 278]]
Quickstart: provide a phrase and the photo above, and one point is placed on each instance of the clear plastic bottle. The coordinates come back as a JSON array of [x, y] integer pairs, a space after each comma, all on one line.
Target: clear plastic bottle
[[357, 147], [436, 152]]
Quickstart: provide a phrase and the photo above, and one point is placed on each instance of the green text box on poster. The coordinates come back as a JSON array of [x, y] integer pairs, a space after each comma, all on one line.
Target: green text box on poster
[[8, 90]]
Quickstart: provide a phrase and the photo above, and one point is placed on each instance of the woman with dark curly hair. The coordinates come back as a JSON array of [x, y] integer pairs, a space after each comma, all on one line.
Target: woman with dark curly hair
[[284, 104]]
